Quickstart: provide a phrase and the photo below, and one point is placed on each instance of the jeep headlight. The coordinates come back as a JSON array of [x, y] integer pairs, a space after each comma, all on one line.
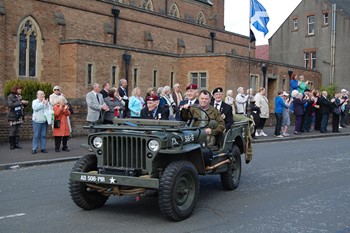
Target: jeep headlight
[[97, 142], [153, 145]]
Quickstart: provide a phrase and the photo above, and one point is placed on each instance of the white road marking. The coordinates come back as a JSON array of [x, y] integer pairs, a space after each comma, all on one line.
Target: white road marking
[[12, 216]]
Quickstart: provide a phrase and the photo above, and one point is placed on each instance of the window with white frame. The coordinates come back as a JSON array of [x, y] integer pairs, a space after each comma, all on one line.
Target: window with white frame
[[295, 24], [313, 60], [200, 79], [310, 60], [325, 18], [306, 59], [311, 25]]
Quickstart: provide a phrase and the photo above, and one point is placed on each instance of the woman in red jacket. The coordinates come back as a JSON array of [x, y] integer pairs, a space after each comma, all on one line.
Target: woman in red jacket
[[62, 132]]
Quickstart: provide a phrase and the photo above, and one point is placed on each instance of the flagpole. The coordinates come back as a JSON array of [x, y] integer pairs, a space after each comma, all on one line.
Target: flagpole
[[249, 79]]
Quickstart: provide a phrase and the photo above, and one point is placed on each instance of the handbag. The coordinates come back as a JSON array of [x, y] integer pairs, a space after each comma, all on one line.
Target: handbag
[[57, 124]]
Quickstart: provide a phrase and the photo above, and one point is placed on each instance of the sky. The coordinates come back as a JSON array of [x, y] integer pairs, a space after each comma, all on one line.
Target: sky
[[237, 16]]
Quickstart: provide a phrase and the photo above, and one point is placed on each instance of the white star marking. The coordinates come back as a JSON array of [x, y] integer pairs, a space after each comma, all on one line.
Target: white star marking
[[112, 180], [257, 17]]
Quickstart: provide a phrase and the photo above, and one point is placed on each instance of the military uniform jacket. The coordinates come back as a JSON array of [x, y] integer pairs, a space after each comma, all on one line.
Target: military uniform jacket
[[213, 113], [161, 114], [227, 111]]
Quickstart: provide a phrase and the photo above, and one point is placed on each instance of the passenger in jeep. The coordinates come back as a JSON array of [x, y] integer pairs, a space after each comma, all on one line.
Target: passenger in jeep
[[213, 113], [153, 110]]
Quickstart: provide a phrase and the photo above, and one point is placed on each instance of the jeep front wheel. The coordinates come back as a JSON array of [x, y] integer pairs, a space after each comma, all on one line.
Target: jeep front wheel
[[82, 195], [230, 179], [179, 190]]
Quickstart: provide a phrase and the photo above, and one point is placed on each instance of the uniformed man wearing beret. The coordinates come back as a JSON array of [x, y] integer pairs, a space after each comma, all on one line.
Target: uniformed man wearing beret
[[153, 110], [214, 114], [222, 107], [191, 98]]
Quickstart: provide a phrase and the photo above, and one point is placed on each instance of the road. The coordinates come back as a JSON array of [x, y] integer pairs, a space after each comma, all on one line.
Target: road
[[292, 186]]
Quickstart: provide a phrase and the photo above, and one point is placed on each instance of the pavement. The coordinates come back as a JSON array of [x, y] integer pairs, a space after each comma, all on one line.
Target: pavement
[[13, 159]]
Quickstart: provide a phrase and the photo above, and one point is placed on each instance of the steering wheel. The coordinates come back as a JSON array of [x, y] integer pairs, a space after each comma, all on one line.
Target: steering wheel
[[193, 119]]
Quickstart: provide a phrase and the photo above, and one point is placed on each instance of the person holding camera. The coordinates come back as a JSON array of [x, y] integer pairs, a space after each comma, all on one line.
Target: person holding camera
[[61, 129], [15, 115], [39, 105], [241, 101]]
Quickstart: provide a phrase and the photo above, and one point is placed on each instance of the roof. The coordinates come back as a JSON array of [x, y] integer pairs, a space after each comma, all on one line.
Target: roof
[[262, 52], [342, 5]]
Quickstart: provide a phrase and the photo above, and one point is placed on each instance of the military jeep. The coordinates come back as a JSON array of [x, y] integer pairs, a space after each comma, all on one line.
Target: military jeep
[[135, 156]]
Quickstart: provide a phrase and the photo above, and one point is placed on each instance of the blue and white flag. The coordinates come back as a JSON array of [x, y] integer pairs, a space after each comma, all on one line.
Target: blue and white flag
[[259, 17]]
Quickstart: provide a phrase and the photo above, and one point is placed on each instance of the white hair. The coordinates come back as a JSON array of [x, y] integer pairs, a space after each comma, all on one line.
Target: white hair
[[295, 93]]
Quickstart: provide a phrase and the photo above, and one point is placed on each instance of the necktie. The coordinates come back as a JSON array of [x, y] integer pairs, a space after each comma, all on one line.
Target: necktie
[[98, 99], [190, 103], [217, 106]]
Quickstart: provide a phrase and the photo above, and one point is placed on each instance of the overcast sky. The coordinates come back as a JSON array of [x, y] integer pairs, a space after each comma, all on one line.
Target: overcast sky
[[237, 16]]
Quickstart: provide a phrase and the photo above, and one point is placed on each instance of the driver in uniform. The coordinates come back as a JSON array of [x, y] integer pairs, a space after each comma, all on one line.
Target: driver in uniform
[[213, 113]]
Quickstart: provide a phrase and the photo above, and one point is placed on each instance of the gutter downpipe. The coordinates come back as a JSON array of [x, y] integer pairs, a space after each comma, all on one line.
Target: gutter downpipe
[[333, 34]]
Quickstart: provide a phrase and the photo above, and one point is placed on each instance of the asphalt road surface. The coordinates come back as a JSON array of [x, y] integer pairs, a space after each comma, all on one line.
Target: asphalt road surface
[[292, 186]]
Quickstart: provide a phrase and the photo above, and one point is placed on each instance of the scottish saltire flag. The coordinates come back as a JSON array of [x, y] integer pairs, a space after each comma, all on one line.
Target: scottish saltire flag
[[259, 17]]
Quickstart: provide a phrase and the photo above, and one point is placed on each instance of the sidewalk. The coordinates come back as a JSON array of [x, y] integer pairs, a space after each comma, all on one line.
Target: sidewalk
[[12, 159]]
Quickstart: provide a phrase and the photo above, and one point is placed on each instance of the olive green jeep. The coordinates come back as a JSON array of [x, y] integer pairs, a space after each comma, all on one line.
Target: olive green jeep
[[136, 156]]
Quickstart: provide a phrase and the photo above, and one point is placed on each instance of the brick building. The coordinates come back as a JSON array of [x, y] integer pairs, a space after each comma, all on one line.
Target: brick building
[[73, 43]]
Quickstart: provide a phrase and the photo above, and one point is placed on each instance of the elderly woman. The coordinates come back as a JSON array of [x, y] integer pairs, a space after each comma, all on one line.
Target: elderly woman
[[15, 115], [230, 100], [115, 103], [166, 100], [262, 102], [61, 132], [39, 105], [136, 103], [54, 96]]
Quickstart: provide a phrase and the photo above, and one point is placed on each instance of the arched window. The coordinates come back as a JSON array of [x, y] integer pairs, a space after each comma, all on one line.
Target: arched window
[[29, 39], [147, 4], [201, 19], [174, 11]]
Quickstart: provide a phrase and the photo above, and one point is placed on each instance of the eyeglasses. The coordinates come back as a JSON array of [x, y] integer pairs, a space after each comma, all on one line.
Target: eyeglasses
[[56, 89]]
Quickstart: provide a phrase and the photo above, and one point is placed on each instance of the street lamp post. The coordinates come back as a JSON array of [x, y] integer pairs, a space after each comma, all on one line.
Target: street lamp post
[[264, 69], [290, 72]]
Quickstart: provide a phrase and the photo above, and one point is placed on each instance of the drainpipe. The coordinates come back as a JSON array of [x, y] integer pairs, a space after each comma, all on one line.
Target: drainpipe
[[333, 33], [115, 12], [166, 7], [126, 58], [212, 35]]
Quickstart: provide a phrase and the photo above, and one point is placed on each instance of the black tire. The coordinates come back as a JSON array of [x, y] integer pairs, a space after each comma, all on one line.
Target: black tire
[[81, 195], [230, 179], [179, 190]]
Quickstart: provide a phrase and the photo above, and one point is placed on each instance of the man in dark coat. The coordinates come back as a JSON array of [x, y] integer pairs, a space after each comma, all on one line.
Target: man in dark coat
[[105, 90], [325, 109], [224, 109], [153, 110], [191, 98], [123, 92]]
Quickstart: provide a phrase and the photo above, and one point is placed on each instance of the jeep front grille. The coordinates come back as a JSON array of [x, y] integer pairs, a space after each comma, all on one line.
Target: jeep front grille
[[124, 151]]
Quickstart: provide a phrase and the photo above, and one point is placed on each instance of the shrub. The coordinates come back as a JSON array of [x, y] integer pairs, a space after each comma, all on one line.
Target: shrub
[[330, 90], [29, 89]]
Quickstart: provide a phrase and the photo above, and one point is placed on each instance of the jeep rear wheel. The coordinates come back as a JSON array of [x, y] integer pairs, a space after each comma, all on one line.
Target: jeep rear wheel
[[179, 190], [82, 195], [230, 179]]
